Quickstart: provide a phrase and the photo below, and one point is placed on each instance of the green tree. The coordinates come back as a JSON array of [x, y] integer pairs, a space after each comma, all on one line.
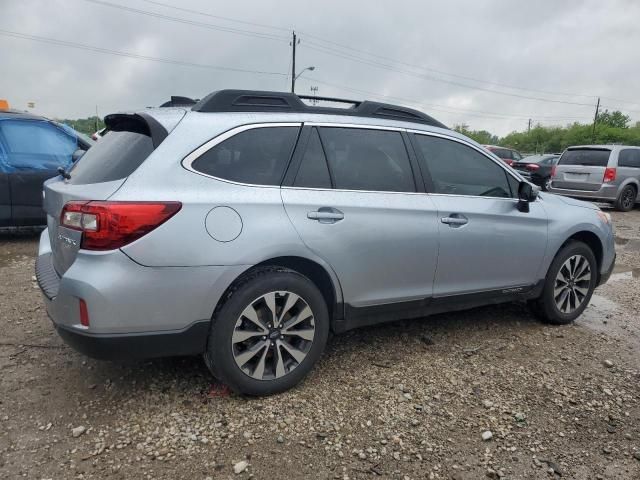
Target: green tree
[[615, 119], [84, 125]]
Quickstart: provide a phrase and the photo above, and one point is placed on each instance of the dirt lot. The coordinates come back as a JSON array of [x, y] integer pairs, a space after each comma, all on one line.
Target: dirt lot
[[404, 400]]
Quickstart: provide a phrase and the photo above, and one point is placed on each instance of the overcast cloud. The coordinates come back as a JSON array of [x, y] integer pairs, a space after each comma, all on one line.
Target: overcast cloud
[[588, 48]]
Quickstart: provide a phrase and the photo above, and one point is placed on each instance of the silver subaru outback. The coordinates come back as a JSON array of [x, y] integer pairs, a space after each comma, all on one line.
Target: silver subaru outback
[[250, 226]]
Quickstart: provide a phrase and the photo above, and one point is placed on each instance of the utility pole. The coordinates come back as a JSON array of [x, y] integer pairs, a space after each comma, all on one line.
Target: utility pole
[[529, 127], [293, 64], [97, 119], [595, 120]]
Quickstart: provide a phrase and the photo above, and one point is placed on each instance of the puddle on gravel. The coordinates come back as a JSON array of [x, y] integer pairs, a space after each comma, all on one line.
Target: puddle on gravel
[[602, 316]]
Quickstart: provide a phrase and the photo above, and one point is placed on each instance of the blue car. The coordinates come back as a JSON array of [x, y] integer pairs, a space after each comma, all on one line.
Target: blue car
[[32, 149]]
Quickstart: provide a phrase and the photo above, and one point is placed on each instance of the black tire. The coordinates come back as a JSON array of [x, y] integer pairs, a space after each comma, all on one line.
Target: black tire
[[219, 355], [627, 199], [545, 184], [545, 307]]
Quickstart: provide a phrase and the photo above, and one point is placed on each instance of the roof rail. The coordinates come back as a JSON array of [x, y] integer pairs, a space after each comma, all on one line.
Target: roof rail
[[265, 101]]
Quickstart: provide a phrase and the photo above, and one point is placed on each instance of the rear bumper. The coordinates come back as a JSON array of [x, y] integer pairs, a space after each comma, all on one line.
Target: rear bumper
[[134, 311], [136, 346], [607, 193]]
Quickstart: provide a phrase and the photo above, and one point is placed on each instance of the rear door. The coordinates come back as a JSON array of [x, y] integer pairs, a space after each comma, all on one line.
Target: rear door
[[33, 151], [354, 202], [486, 243], [581, 168]]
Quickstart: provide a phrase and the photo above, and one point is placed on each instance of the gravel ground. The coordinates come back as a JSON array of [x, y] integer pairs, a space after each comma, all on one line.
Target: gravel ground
[[484, 393]]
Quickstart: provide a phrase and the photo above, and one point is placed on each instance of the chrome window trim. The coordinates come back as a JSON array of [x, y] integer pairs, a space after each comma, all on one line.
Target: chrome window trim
[[205, 147], [187, 162]]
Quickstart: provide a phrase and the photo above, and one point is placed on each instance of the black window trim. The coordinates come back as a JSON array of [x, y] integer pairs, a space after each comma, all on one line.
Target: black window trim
[[188, 161], [428, 182]]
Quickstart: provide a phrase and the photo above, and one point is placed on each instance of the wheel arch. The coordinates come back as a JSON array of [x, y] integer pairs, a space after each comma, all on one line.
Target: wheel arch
[[592, 241], [321, 275]]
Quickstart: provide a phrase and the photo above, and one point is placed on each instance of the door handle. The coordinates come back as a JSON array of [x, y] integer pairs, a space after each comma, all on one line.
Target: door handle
[[326, 215], [455, 220]]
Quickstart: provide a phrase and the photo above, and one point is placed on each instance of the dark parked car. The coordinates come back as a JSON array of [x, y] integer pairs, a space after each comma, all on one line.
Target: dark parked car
[[507, 155], [32, 148], [537, 168]]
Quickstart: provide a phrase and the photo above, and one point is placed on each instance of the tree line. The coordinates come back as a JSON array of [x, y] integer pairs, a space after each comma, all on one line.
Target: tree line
[[611, 127]]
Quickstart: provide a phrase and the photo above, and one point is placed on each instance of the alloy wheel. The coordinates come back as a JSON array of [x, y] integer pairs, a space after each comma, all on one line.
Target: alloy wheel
[[273, 335], [572, 284]]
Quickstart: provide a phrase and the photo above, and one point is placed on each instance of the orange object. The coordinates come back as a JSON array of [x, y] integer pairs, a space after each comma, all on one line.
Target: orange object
[[4, 105]]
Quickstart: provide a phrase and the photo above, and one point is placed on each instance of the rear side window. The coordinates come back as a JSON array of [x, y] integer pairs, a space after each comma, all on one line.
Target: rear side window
[[117, 155], [588, 157], [629, 158], [457, 169], [34, 145], [501, 153], [313, 171], [362, 159], [258, 156]]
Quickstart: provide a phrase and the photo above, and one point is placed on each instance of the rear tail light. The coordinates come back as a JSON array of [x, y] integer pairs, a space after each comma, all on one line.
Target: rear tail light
[[553, 171], [509, 162], [111, 225], [532, 167], [609, 175], [84, 313]]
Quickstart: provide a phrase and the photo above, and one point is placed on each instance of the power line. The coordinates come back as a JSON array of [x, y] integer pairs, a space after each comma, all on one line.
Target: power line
[[342, 46], [249, 33], [64, 43], [428, 77], [205, 14], [442, 108]]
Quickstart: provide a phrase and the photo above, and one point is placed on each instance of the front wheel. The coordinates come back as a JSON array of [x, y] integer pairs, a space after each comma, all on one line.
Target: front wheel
[[569, 285], [268, 333]]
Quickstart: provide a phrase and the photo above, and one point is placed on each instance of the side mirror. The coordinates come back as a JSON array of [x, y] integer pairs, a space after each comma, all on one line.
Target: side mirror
[[527, 193], [77, 155]]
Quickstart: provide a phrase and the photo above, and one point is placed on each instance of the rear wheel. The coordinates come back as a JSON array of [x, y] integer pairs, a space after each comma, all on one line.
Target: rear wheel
[[627, 199], [546, 184], [568, 286], [269, 332]]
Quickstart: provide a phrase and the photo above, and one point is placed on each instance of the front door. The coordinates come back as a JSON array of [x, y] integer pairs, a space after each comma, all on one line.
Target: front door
[[486, 243]]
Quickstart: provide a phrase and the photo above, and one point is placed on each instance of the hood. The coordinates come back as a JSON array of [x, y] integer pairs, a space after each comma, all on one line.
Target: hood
[[558, 199]]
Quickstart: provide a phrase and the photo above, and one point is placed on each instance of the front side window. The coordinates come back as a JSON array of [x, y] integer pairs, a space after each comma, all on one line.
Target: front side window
[[258, 156], [457, 169], [363, 159], [35, 145], [629, 158]]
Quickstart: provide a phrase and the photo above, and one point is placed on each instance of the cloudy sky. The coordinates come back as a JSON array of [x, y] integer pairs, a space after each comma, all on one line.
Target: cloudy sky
[[491, 64]]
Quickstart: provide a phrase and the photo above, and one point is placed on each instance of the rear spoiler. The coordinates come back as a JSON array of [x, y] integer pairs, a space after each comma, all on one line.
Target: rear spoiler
[[138, 123]]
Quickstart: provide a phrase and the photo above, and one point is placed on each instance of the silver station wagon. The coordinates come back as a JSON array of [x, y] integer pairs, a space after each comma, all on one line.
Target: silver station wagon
[[250, 226]]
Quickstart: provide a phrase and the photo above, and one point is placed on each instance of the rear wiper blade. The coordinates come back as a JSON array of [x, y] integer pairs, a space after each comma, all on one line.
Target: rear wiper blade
[[66, 175]]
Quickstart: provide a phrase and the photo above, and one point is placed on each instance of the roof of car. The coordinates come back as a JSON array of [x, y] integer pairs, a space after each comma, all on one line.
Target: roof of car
[[19, 114], [603, 146]]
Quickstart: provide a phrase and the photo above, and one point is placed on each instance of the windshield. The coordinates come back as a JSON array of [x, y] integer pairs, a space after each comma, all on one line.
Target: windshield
[[590, 157]]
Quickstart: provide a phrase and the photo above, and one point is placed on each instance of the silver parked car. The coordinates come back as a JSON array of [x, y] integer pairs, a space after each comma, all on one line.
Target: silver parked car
[[249, 227], [604, 173]]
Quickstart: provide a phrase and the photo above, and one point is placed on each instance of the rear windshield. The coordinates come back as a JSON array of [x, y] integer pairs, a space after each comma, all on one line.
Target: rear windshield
[[589, 157], [114, 157]]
